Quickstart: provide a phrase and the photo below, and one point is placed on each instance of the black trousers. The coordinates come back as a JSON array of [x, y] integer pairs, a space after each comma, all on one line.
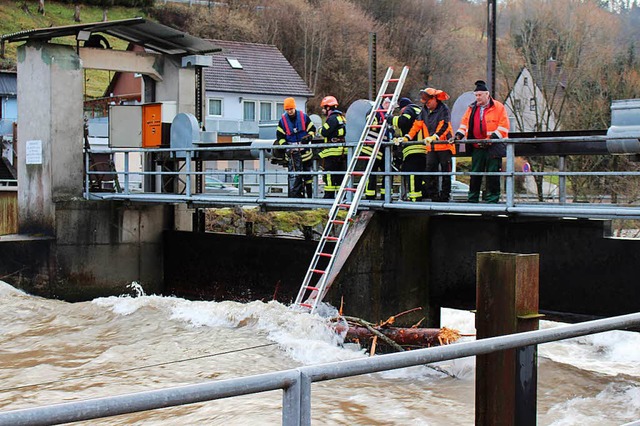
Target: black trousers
[[438, 161]]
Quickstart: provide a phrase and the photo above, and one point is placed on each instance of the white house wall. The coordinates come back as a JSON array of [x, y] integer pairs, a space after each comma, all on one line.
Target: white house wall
[[232, 121], [527, 117]]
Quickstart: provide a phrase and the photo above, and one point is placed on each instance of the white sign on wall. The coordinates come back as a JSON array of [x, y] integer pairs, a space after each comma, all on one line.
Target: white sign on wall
[[34, 152]]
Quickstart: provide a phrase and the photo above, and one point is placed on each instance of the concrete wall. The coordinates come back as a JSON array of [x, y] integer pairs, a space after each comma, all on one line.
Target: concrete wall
[[100, 249], [386, 273], [408, 260], [50, 104]]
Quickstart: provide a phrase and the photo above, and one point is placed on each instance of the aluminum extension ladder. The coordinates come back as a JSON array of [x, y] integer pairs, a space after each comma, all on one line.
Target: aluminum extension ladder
[[316, 282]]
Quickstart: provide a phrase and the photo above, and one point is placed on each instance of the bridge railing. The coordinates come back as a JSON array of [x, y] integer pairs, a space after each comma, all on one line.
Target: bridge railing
[[254, 180], [296, 383]]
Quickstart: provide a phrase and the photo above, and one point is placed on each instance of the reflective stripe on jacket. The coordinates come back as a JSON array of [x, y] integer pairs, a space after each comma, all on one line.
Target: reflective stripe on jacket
[[495, 118], [436, 122], [334, 130]]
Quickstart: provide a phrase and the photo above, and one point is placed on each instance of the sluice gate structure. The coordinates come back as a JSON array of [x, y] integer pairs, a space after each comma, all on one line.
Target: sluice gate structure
[[85, 232]]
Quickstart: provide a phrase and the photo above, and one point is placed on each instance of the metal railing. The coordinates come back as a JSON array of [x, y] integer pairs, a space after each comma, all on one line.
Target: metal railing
[[260, 181], [296, 383]]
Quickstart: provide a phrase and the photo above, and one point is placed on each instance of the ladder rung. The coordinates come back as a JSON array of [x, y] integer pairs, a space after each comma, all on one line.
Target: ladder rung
[[375, 126], [363, 157], [339, 222], [345, 205], [369, 142], [331, 238], [354, 173], [349, 189], [393, 80], [388, 95], [310, 287], [318, 271], [325, 254], [306, 305]]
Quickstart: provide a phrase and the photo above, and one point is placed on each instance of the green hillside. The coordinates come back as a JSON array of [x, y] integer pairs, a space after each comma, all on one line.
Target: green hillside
[[23, 15]]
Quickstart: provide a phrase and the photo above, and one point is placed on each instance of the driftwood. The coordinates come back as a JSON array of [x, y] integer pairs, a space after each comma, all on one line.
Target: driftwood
[[397, 338]]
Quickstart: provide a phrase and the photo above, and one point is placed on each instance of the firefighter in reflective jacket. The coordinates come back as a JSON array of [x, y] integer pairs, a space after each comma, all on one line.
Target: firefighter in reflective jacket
[[486, 118], [434, 122], [378, 165], [333, 159], [414, 156], [296, 128]]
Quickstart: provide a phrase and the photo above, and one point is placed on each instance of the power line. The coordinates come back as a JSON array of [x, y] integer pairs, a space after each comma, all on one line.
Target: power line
[[88, 376]]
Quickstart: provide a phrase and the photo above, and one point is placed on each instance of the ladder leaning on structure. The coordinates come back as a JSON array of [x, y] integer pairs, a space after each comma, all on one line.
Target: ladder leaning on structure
[[316, 281]]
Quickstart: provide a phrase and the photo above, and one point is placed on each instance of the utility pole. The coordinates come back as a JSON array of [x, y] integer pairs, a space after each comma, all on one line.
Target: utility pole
[[491, 45], [373, 65]]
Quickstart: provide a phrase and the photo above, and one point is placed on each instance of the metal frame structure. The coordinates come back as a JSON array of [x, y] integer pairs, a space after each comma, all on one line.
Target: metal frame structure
[[511, 204], [296, 383]]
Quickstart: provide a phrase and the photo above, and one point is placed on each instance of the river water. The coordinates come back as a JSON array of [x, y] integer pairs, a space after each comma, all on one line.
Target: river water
[[53, 352]]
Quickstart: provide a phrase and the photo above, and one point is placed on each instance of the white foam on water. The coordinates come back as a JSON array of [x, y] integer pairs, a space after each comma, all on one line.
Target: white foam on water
[[308, 339], [588, 411]]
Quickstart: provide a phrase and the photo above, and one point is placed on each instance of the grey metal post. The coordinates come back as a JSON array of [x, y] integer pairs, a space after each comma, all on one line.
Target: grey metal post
[[348, 195], [291, 404], [315, 184], [126, 172], [562, 180], [305, 399], [86, 174], [388, 179], [509, 186], [241, 177], [261, 180], [187, 167]]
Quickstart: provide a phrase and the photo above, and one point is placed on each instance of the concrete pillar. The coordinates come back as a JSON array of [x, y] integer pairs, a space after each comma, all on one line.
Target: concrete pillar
[[178, 84], [50, 132], [507, 302]]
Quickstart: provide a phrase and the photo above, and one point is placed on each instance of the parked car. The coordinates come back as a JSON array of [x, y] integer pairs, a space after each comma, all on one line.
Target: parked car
[[213, 185]]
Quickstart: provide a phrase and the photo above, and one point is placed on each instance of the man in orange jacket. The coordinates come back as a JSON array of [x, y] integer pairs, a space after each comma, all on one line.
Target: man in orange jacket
[[486, 118], [434, 123]]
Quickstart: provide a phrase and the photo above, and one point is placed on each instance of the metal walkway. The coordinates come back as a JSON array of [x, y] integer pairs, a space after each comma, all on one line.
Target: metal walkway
[[262, 177]]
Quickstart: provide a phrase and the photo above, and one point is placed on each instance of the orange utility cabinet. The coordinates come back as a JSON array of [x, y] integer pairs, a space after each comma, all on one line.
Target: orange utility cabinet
[[151, 125]]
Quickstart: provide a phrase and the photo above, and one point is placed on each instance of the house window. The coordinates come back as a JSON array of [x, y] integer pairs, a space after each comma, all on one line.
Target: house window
[[265, 111], [532, 104], [235, 64], [526, 81], [214, 107], [517, 105], [279, 108], [249, 110]]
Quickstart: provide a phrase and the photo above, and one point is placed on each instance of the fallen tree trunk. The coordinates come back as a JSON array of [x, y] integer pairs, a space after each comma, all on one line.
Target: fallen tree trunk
[[421, 337]]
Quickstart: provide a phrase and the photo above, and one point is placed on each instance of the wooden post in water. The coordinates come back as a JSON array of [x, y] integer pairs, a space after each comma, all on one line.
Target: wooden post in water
[[507, 302]]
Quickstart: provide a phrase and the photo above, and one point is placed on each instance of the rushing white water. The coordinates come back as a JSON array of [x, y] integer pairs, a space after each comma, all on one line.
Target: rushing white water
[[54, 351]]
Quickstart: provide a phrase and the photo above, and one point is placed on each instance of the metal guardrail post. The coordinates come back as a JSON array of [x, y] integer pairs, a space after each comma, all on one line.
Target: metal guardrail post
[[188, 172], [261, 176], [509, 185], [388, 178], [86, 174], [305, 399], [562, 180], [291, 404], [126, 172], [241, 177]]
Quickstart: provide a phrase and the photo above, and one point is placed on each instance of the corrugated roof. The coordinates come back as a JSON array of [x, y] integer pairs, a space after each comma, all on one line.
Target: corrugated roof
[[151, 35], [265, 70], [8, 83]]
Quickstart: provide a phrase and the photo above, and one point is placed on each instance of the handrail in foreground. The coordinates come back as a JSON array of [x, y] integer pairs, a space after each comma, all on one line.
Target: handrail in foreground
[[296, 383]]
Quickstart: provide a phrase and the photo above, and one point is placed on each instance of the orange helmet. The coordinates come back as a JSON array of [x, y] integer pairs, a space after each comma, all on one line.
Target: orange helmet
[[329, 101], [289, 103], [440, 95]]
